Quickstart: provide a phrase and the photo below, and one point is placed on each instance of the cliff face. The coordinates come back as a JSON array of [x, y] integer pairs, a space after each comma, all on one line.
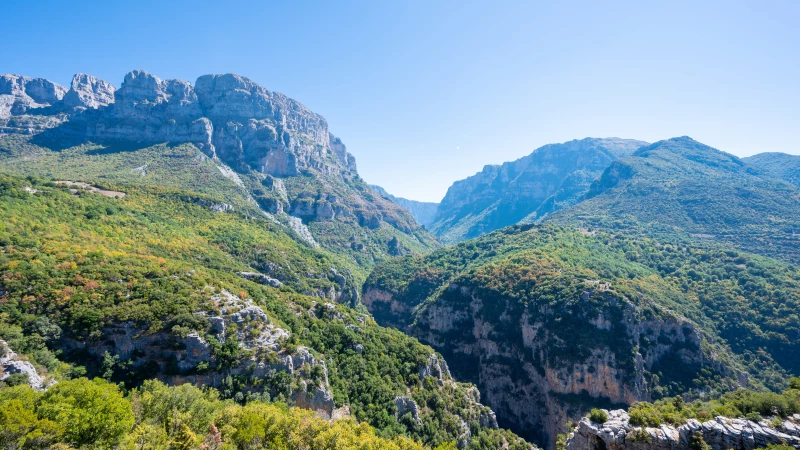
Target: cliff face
[[423, 212], [550, 178], [542, 365], [281, 155], [721, 434]]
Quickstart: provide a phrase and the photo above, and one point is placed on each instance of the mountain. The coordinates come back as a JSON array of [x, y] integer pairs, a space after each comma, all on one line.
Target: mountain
[[550, 178], [550, 322], [682, 187], [777, 165], [224, 133], [215, 234], [423, 212]]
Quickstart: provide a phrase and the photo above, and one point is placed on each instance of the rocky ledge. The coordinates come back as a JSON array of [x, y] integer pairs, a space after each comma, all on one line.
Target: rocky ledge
[[721, 433]]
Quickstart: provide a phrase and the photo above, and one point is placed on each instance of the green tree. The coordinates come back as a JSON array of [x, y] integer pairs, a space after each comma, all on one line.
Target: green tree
[[93, 413]]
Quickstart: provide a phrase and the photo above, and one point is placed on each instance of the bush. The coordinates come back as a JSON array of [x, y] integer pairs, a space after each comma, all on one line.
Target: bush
[[598, 416]]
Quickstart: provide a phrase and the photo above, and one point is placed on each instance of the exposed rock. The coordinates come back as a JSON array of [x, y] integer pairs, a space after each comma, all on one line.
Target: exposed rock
[[87, 91], [255, 333], [11, 364], [721, 434], [19, 94], [525, 380], [405, 405], [423, 212], [260, 278]]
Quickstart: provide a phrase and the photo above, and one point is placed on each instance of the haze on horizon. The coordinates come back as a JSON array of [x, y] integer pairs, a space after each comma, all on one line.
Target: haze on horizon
[[426, 94]]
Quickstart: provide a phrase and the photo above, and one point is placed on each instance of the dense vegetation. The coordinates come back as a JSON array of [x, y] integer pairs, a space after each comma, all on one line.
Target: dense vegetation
[[750, 303], [94, 414], [364, 227], [745, 403], [74, 264], [681, 188]]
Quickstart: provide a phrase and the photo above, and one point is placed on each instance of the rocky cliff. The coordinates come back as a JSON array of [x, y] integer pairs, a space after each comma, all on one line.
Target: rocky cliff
[[721, 433], [551, 322], [423, 212], [550, 178], [537, 373], [281, 156]]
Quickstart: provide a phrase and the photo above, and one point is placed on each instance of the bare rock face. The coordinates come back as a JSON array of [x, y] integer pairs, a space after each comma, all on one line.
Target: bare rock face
[[530, 375], [721, 434], [11, 364], [87, 91], [19, 94], [405, 405]]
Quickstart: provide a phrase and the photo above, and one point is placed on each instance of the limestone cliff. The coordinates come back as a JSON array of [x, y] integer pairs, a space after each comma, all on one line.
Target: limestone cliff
[[534, 371]]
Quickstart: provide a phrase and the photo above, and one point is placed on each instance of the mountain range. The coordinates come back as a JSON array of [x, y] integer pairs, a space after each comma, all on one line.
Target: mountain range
[[165, 234]]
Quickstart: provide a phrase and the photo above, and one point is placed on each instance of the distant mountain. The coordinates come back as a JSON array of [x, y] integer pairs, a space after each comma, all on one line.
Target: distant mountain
[[778, 165], [549, 179], [680, 187], [423, 212]]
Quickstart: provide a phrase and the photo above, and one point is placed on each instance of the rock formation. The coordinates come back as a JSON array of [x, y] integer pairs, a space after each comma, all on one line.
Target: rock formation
[[550, 178], [10, 364], [721, 434], [423, 212], [533, 375]]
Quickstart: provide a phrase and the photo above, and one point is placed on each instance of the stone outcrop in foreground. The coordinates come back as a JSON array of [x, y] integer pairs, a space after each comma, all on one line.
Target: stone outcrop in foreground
[[721, 433]]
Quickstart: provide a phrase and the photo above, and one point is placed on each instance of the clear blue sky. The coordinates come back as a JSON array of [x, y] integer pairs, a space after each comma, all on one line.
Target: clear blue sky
[[427, 92]]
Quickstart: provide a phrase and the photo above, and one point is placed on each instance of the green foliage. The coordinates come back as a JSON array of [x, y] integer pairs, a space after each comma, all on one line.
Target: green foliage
[[680, 188], [94, 414], [598, 416], [697, 442], [749, 404], [746, 305]]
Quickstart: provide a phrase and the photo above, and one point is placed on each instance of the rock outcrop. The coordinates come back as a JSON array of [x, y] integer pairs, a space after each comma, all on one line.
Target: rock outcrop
[[532, 374], [189, 352], [721, 434], [11, 363], [87, 91]]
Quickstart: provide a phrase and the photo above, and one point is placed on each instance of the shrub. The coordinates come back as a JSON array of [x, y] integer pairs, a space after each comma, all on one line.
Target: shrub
[[598, 416]]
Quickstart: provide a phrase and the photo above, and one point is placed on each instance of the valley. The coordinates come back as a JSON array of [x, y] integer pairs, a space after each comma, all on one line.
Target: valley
[[214, 242]]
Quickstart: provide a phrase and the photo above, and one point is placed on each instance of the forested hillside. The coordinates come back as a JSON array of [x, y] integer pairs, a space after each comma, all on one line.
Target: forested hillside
[[550, 322]]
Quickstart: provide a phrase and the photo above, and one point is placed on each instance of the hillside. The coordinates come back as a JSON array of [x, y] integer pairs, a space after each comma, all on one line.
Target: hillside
[[550, 322], [552, 177], [224, 133], [777, 165], [680, 187], [423, 212], [215, 234], [135, 283]]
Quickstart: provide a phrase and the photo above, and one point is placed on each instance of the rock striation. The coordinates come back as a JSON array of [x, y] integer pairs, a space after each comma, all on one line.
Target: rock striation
[[721, 434]]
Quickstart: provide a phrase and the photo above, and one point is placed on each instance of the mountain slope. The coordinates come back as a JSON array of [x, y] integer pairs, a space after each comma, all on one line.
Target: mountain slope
[[423, 212], [140, 282], [551, 322], [682, 187], [777, 165], [260, 147], [550, 178]]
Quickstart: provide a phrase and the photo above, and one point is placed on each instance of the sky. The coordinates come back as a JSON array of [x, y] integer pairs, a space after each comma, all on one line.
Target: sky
[[425, 93]]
